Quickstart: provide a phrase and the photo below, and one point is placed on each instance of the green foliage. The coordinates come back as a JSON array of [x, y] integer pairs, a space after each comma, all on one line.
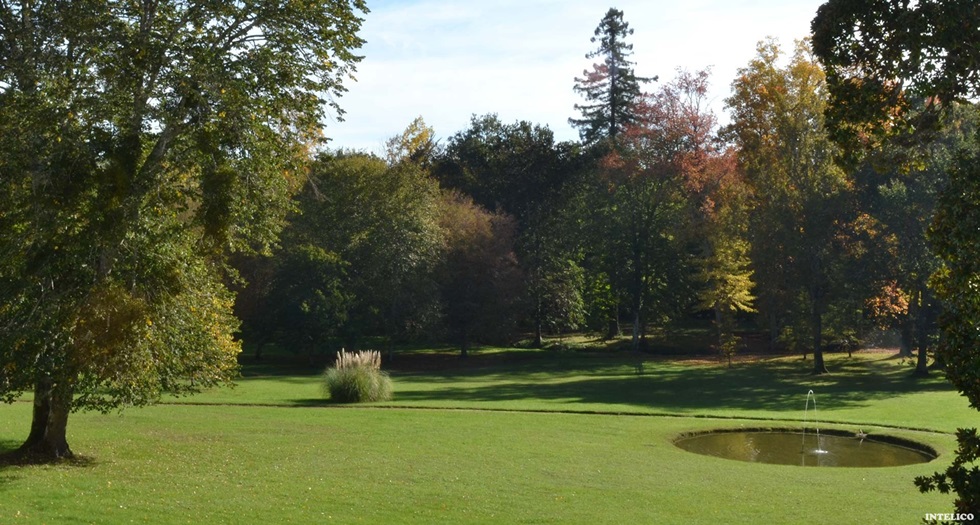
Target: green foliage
[[902, 185], [357, 378], [142, 142], [357, 259], [561, 299], [416, 145], [882, 55], [801, 205], [961, 478], [308, 300], [904, 52], [954, 236], [479, 278], [520, 170], [611, 88], [517, 167]]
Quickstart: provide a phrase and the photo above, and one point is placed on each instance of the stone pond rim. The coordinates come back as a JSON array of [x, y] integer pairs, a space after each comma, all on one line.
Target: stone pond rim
[[789, 446]]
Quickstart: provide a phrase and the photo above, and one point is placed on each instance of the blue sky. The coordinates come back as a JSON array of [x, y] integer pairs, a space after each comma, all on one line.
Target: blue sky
[[447, 60]]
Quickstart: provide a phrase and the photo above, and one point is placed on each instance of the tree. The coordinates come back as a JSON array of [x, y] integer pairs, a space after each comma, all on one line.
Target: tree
[[417, 145], [954, 234], [381, 222], [880, 55], [903, 195], [644, 212], [141, 143], [611, 88], [520, 170], [725, 264], [307, 302], [928, 50], [800, 206], [612, 91], [717, 200], [479, 277]]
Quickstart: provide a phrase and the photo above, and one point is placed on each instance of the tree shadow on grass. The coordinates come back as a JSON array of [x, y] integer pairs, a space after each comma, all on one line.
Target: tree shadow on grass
[[779, 385], [11, 458], [7, 447]]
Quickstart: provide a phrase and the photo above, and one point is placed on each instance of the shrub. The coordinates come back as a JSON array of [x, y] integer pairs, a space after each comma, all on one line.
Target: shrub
[[357, 377]]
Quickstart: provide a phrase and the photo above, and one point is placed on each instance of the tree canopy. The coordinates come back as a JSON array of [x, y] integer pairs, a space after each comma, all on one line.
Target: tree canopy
[[880, 55], [611, 88], [139, 144], [800, 205]]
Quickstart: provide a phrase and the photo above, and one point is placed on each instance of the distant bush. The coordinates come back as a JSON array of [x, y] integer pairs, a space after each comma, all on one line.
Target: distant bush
[[357, 377]]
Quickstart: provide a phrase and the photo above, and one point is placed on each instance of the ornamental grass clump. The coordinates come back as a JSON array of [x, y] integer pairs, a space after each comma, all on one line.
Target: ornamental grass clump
[[356, 377]]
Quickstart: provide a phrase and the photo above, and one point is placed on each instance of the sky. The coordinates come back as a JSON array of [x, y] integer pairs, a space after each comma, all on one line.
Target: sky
[[446, 60]]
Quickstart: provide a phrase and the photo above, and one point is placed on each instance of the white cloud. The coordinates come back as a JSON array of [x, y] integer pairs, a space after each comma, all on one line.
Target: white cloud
[[446, 60]]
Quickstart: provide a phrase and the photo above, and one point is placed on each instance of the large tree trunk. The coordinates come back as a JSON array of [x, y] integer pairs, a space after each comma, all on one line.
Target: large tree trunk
[[42, 408], [922, 362], [48, 437]]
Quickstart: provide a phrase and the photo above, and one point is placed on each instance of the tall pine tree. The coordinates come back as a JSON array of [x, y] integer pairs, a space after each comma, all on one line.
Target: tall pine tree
[[611, 88]]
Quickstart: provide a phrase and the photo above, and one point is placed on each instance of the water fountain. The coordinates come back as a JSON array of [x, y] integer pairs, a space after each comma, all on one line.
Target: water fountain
[[806, 407], [835, 448]]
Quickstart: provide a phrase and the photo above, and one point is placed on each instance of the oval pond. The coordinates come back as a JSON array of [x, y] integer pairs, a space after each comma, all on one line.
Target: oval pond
[[795, 448]]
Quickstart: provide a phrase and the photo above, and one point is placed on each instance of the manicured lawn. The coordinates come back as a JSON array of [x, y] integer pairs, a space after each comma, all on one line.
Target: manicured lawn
[[541, 439]]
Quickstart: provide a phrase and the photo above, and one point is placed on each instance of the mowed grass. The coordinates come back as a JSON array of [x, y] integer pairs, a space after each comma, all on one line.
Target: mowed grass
[[543, 438]]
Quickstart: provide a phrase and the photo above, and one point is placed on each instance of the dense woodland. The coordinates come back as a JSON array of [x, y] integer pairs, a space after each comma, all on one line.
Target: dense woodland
[[657, 216]]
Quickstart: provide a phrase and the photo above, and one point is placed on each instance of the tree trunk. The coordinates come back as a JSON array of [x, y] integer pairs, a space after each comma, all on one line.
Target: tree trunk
[[637, 318], [613, 330], [905, 338], [538, 322], [718, 334], [42, 408], [922, 363], [817, 325], [48, 437], [636, 331], [773, 330]]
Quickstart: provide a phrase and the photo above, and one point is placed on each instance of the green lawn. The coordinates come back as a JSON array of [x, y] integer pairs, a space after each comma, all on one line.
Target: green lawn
[[531, 438]]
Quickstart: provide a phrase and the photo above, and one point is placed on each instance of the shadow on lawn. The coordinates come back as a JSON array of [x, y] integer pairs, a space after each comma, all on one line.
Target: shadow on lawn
[[779, 385], [7, 446], [13, 460]]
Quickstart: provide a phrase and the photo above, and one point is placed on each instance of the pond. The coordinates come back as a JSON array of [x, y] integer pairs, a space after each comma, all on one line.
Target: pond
[[827, 449]]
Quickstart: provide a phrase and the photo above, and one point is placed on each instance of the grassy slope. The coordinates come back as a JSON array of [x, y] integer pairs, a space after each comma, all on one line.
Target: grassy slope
[[298, 462]]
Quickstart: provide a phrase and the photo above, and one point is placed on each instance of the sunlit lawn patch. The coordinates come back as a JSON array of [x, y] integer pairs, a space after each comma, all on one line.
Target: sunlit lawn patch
[[275, 453]]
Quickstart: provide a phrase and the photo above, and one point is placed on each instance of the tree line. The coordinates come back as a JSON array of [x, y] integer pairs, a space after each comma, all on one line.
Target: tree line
[[656, 214]]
